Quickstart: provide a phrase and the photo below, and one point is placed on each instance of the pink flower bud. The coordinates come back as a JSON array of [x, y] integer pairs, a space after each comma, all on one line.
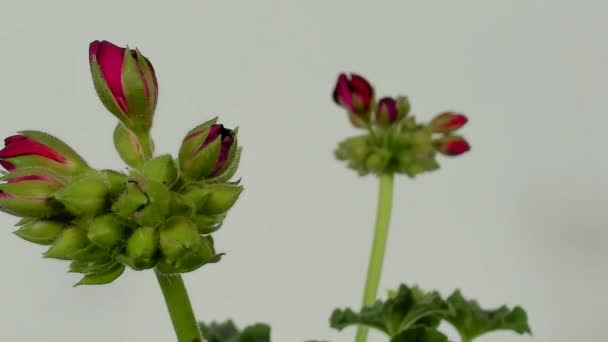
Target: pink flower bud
[[387, 112], [448, 122], [355, 94], [31, 148], [452, 145], [125, 82], [207, 150]]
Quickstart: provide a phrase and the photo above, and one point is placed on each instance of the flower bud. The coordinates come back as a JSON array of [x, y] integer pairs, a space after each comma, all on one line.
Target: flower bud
[[207, 151], [161, 169], [452, 145], [104, 276], [196, 194], [128, 146], [42, 232], [141, 248], [221, 198], [125, 82], [29, 195], [38, 149], [387, 112], [71, 241], [157, 209], [115, 181], [85, 195], [201, 253], [131, 200], [356, 95], [106, 231], [179, 205], [177, 236], [447, 122]]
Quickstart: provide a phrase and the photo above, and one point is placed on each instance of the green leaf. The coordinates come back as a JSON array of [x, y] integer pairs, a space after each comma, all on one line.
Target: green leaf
[[472, 321], [408, 308], [229, 332], [420, 335]]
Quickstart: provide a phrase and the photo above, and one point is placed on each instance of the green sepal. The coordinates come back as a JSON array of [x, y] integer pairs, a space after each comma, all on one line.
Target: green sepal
[[85, 267], [221, 198], [207, 224], [131, 200], [85, 195], [472, 321], [24, 221], [142, 247], [199, 164], [180, 205], [91, 253], [232, 164], [105, 94], [106, 231], [128, 146], [115, 181], [161, 169], [229, 332], [146, 72], [155, 212], [67, 244], [103, 277], [134, 90], [42, 232], [56, 176], [196, 194]]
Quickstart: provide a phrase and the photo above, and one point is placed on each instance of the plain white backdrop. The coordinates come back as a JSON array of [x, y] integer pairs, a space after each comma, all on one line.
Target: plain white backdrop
[[519, 220]]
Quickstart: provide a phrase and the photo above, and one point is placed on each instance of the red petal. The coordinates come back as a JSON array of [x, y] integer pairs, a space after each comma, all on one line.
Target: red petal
[[110, 59], [28, 146]]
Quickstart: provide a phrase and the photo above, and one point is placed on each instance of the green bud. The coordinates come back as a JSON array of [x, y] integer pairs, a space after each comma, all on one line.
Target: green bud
[[106, 231], [177, 236], [141, 248], [403, 106], [128, 146], [115, 181], [161, 169], [155, 212], [221, 198], [378, 161], [42, 232], [180, 205], [195, 194], [131, 200], [86, 195], [208, 224], [67, 244], [193, 258]]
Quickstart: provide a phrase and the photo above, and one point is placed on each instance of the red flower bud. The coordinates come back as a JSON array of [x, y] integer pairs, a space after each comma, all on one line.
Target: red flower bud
[[452, 145], [448, 122], [126, 83], [207, 150], [355, 94], [387, 112], [31, 148]]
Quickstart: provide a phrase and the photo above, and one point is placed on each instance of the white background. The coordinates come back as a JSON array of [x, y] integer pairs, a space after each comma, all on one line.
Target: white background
[[519, 220]]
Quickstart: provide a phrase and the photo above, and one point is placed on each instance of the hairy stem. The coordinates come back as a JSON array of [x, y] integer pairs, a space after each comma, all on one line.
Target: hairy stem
[[383, 215], [180, 310]]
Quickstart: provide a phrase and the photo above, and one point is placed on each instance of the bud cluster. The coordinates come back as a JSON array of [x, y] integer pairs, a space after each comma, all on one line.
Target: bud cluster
[[395, 142], [160, 214]]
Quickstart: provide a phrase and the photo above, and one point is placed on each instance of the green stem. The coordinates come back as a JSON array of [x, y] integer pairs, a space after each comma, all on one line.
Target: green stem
[[180, 310], [383, 216], [146, 144]]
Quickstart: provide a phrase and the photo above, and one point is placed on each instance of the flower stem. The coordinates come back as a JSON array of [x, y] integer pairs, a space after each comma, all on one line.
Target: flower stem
[[180, 310], [145, 143], [383, 215]]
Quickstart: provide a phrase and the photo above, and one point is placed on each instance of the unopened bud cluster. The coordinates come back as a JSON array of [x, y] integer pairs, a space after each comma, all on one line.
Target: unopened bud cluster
[[160, 213], [395, 142]]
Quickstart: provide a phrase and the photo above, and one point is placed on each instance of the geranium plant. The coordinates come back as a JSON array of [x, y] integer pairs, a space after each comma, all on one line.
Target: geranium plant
[[161, 214]]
